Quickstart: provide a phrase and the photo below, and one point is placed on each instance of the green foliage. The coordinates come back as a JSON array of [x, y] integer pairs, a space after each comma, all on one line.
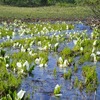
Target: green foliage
[[78, 2], [94, 5], [54, 72], [57, 89], [76, 82], [91, 80], [28, 2], [75, 68], [84, 58], [8, 82], [67, 75], [2, 52], [66, 52]]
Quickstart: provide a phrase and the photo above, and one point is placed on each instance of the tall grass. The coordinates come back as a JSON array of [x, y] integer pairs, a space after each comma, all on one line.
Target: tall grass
[[73, 12]]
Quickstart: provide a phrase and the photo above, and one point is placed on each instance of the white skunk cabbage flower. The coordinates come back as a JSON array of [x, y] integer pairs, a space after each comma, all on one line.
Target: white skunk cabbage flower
[[75, 42], [18, 64], [30, 52], [57, 86], [98, 53], [7, 65], [60, 60], [57, 90], [94, 43], [45, 48], [65, 63], [41, 65], [21, 93], [94, 57], [8, 37], [93, 50], [81, 48], [22, 49], [45, 65], [39, 43], [37, 60], [61, 65], [13, 34], [26, 64], [56, 44]]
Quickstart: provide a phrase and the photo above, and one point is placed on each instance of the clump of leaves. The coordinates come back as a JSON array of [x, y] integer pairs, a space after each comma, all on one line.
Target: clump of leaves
[[2, 52], [57, 89], [75, 68], [81, 85], [7, 80], [54, 72], [67, 75], [76, 82], [91, 80], [66, 52], [84, 58]]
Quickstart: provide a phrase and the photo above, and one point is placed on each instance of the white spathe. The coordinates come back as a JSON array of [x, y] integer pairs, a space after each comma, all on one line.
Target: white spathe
[[81, 48], [21, 93], [98, 53], [41, 65], [56, 44], [57, 86], [94, 57], [94, 43], [75, 42], [60, 60], [18, 64], [22, 49], [37, 60], [65, 63], [93, 50], [39, 43], [7, 65], [26, 64], [58, 95]]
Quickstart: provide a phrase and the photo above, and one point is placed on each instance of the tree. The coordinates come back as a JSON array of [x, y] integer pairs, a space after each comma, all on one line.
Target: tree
[[95, 6], [44, 2]]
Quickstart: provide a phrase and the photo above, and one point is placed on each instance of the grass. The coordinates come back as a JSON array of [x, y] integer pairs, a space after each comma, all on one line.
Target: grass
[[45, 12]]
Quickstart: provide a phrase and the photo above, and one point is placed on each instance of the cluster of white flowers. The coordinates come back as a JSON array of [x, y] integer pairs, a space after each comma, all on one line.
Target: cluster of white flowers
[[23, 49], [21, 66], [95, 53], [62, 63], [17, 44], [38, 61]]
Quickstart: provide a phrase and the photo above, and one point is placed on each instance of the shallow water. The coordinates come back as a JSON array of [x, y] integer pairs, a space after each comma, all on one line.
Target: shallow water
[[78, 28], [40, 85]]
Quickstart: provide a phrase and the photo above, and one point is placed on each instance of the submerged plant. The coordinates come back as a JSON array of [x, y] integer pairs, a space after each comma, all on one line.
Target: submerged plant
[[54, 72], [81, 85], [75, 68], [57, 90], [67, 75], [76, 82]]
